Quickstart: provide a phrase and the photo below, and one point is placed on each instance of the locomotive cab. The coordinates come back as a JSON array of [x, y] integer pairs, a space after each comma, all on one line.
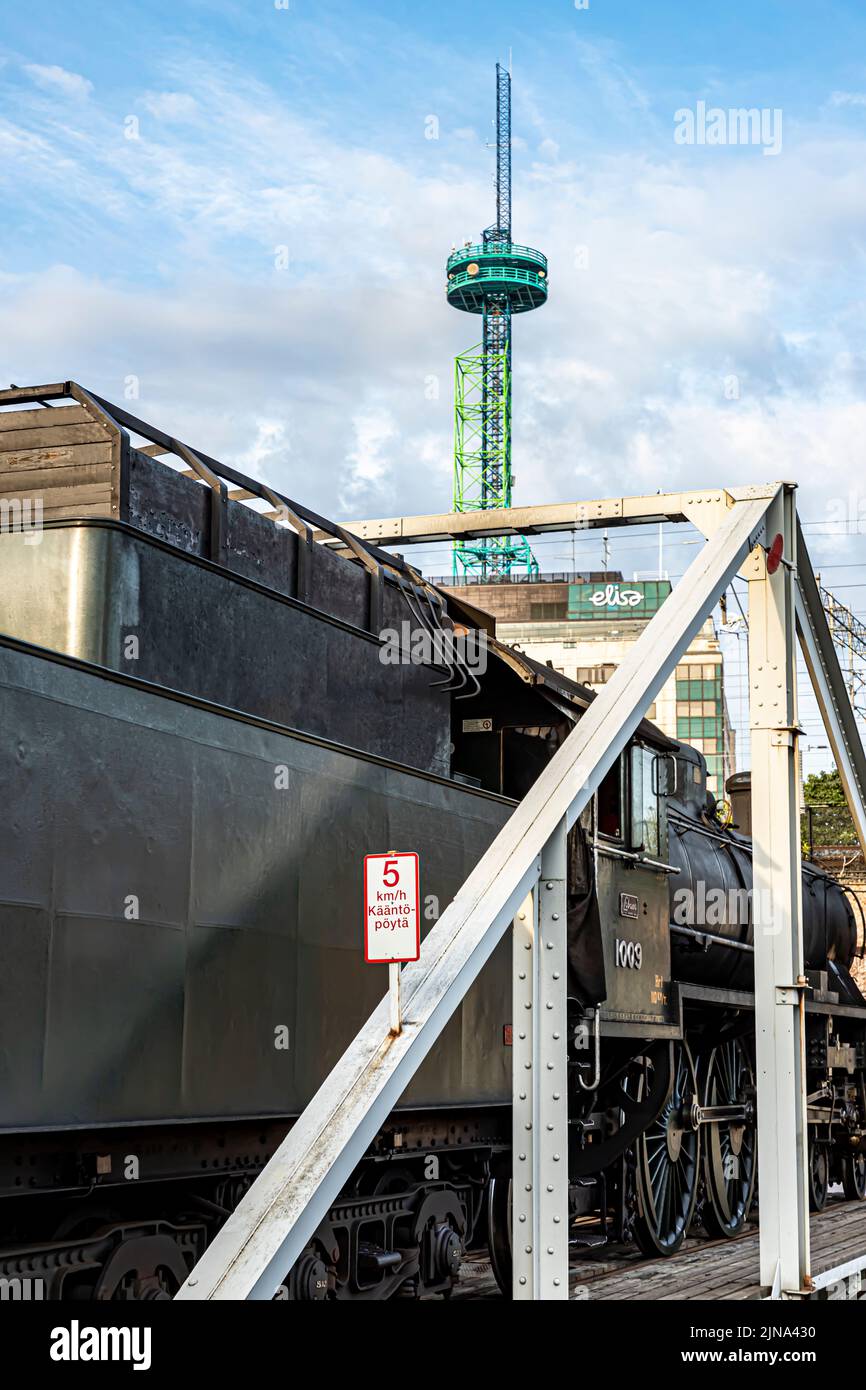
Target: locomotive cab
[[630, 846]]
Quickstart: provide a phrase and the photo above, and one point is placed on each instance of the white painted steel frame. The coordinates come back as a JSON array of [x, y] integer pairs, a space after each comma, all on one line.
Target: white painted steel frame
[[523, 873], [780, 1031], [253, 1251], [691, 506], [540, 1086]]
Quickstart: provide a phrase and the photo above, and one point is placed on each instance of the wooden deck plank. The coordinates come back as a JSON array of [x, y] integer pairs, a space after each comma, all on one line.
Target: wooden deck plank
[[53, 436], [41, 416], [704, 1271], [27, 463]]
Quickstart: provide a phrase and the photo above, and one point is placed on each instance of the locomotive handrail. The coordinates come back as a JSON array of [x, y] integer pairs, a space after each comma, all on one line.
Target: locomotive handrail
[[635, 857]]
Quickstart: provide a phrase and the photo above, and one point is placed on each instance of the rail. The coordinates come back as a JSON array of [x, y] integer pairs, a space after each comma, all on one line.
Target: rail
[[508, 249]]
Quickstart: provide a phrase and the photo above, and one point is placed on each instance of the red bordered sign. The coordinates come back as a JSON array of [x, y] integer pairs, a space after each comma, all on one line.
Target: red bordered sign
[[392, 908]]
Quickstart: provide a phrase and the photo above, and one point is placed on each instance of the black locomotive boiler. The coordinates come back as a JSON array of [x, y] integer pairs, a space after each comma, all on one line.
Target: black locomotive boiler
[[203, 742]]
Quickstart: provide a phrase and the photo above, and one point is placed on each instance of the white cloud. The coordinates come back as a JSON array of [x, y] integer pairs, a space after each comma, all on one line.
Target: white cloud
[[56, 79], [317, 377], [848, 99], [171, 106]]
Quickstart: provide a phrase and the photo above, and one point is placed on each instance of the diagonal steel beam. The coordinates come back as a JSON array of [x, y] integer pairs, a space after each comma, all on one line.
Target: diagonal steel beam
[[255, 1249]]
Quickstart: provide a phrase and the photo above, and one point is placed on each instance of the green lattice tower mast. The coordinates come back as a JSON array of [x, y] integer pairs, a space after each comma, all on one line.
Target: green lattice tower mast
[[496, 279]]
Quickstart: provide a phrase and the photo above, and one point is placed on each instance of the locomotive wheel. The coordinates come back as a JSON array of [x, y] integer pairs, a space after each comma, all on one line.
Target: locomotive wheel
[[142, 1268], [667, 1161], [819, 1176], [499, 1230], [854, 1176], [729, 1149]]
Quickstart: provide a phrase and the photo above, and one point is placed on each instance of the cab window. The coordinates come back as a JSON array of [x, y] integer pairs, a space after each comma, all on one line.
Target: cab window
[[644, 779]]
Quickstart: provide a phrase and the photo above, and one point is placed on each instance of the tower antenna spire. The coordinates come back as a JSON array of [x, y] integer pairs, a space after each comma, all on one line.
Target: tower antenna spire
[[496, 279]]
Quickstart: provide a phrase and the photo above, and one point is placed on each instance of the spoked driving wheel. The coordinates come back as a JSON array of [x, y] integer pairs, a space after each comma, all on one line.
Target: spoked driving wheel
[[667, 1158], [819, 1175], [854, 1176], [730, 1145]]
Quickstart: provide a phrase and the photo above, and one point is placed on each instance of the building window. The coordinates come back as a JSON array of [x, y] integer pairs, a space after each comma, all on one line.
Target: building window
[[548, 612], [594, 675]]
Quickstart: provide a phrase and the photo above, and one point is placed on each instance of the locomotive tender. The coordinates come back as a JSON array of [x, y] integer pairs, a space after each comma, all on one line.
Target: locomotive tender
[[203, 742]]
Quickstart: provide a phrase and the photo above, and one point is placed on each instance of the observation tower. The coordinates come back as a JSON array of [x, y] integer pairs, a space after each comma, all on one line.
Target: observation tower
[[495, 278]]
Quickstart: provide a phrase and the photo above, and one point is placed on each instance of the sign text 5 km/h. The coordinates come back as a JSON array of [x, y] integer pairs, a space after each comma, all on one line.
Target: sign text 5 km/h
[[392, 917]]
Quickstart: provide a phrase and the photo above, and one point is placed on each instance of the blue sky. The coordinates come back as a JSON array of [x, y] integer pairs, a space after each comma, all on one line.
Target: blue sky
[[268, 135]]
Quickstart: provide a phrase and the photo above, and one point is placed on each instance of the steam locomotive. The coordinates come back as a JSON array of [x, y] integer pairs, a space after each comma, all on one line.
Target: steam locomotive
[[203, 742]]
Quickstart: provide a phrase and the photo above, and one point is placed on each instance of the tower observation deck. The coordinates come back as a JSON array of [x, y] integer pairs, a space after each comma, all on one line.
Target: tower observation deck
[[495, 278]]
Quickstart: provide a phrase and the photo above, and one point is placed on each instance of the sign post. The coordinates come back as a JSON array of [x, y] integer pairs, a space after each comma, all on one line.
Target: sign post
[[392, 918], [396, 1001]]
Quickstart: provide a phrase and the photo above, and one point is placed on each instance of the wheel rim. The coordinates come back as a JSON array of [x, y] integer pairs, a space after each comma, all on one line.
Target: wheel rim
[[855, 1176], [730, 1166], [499, 1230], [667, 1155], [819, 1176]]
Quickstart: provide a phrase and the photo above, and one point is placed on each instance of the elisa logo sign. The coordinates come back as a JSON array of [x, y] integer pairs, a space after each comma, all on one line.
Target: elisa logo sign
[[612, 596]]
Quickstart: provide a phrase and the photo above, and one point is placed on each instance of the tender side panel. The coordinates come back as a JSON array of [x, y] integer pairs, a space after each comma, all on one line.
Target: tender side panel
[[112, 596], [180, 908]]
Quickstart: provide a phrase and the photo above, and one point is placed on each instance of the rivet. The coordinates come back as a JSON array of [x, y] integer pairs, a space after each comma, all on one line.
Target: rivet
[[549, 1187], [550, 1127], [522, 975], [556, 974], [556, 1220], [522, 1095], [555, 916], [549, 1005], [521, 1036], [529, 1125], [555, 1096], [529, 1249], [522, 1158], [529, 1187], [527, 1066], [528, 1005], [555, 1156], [556, 1283], [548, 885], [523, 1278], [522, 916], [550, 1249], [522, 1218], [550, 1066], [550, 945], [556, 1037]]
